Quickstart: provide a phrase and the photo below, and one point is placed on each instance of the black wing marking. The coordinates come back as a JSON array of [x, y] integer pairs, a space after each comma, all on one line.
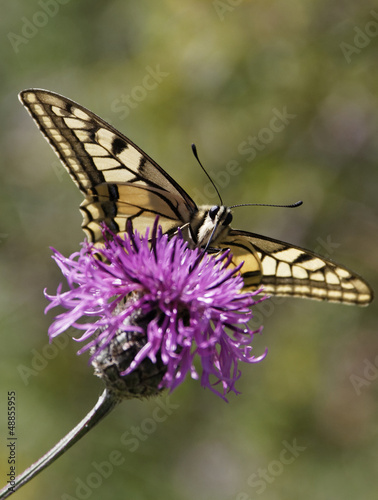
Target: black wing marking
[[243, 252], [294, 271], [119, 181]]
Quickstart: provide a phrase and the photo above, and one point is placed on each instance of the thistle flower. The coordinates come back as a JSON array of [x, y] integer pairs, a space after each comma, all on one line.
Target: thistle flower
[[157, 307]]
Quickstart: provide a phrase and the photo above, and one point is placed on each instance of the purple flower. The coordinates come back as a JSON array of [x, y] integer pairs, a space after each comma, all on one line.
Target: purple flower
[[156, 303]]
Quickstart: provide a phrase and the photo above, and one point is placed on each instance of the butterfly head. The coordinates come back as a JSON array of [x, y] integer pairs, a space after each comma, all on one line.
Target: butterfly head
[[214, 222], [220, 215]]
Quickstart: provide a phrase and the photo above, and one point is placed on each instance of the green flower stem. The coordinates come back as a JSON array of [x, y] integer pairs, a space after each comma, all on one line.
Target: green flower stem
[[104, 405]]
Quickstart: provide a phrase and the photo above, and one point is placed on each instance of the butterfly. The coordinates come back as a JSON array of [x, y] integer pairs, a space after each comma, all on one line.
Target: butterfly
[[121, 183]]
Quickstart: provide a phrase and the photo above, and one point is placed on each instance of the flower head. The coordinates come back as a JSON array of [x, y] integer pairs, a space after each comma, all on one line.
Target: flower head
[[157, 306]]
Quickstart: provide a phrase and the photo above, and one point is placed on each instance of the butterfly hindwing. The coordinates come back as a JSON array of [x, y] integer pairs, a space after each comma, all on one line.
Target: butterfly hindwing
[[289, 270], [119, 181], [243, 252]]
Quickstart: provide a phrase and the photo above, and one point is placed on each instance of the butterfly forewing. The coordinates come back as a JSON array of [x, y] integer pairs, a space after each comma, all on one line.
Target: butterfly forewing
[[118, 179], [120, 182]]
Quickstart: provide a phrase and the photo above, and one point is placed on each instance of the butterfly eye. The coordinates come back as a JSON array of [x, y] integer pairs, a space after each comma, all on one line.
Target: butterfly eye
[[228, 219], [213, 212]]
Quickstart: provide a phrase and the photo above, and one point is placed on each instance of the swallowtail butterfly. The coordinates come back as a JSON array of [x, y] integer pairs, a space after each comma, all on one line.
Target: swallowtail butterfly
[[120, 182]]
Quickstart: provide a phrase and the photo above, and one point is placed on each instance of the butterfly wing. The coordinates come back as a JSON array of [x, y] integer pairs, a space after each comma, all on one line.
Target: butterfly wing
[[284, 269], [243, 252], [119, 181]]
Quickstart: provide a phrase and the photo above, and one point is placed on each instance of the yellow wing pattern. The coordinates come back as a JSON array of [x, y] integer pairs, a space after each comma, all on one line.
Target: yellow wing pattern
[[287, 270], [120, 182]]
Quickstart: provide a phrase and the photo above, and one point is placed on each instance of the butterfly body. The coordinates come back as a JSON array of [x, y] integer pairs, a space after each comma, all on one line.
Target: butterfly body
[[121, 183], [209, 224]]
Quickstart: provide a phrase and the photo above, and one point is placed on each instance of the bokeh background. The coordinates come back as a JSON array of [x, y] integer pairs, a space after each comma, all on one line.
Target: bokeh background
[[223, 69]]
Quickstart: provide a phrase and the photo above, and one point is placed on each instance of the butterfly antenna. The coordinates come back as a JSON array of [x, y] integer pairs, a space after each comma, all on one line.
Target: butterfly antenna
[[194, 149], [292, 205]]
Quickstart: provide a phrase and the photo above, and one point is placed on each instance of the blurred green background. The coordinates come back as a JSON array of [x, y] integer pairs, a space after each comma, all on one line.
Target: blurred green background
[[223, 70]]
